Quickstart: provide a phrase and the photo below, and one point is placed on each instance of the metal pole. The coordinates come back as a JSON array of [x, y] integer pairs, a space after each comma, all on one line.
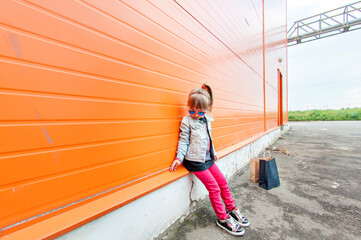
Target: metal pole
[[320, 25], [298, 29], [346, 15]]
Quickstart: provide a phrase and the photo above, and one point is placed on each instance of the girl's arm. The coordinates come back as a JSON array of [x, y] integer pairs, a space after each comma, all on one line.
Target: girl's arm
[[184, 139], [183, 144]]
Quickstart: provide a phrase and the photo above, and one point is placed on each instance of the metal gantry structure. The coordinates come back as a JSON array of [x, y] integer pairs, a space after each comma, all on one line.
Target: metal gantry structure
[[336, 21]]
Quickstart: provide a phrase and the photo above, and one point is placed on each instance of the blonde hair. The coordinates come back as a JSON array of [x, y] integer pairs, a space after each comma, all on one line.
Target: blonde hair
[[201, 98]]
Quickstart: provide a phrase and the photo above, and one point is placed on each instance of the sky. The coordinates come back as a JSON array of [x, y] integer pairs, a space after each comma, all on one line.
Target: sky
[[325, 73]]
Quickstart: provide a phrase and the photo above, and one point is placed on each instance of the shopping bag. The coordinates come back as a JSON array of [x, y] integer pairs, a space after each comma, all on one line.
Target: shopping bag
[[254, 169], [254, 166], [268, 174]]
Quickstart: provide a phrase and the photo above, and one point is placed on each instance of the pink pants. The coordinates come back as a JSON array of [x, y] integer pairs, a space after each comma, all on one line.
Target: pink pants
[[218, 189]]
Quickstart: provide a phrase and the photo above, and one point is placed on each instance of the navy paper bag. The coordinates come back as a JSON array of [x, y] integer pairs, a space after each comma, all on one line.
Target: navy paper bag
[[268, 174]]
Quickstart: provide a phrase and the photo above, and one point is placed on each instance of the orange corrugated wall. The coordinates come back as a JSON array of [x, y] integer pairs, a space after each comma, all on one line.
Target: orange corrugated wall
[[92, 92]]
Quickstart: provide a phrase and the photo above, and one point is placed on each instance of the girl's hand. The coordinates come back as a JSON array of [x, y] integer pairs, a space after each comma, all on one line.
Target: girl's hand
[[174, 165], [215, 158]]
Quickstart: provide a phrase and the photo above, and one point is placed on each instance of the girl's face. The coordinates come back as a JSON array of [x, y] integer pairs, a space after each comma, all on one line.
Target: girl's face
[[197, 113]]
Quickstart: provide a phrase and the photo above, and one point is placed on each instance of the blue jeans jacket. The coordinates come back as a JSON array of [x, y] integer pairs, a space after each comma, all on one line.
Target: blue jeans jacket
[[193, 142]]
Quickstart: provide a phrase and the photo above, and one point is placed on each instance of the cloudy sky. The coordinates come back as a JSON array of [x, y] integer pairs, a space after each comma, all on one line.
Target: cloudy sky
[[324, 73]]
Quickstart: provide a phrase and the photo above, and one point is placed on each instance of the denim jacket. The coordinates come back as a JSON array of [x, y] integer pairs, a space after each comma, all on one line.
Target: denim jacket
[[192, 144]]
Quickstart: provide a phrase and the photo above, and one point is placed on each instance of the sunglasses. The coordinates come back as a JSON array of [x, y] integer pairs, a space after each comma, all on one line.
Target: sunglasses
[[200, 113]]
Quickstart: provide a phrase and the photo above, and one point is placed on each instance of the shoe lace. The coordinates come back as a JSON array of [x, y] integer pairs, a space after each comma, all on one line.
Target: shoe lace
[[239, 215], [233, 223]]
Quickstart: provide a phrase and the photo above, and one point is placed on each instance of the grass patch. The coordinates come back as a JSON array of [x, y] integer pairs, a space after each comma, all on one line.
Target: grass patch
[[345, 114]]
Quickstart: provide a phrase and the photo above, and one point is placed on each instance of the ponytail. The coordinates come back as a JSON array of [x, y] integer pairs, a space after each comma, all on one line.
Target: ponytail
[[206, 87]]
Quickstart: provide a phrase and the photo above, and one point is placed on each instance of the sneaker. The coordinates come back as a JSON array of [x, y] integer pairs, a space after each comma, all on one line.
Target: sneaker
[[231, 226], [237, 215]]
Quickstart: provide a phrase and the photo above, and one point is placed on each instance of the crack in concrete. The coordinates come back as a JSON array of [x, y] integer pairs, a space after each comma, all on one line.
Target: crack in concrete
[[190, 195]]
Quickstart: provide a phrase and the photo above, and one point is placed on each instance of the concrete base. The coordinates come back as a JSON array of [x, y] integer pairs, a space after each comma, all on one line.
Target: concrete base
[[150, 215]]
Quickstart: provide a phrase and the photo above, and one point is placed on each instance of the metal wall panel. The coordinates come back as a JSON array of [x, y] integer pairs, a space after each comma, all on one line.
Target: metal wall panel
[[92, 92], [275, 55]]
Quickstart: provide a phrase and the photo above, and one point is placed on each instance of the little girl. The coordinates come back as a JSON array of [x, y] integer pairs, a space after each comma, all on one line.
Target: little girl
[[197, 153]]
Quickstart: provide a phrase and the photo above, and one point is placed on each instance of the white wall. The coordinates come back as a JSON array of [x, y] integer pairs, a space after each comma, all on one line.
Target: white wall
[[150, 215]]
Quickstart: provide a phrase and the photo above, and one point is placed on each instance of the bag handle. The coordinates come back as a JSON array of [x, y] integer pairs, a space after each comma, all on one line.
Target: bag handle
[[269, 153]]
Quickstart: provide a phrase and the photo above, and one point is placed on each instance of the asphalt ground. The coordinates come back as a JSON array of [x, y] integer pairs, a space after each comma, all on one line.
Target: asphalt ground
[[319, 165]]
